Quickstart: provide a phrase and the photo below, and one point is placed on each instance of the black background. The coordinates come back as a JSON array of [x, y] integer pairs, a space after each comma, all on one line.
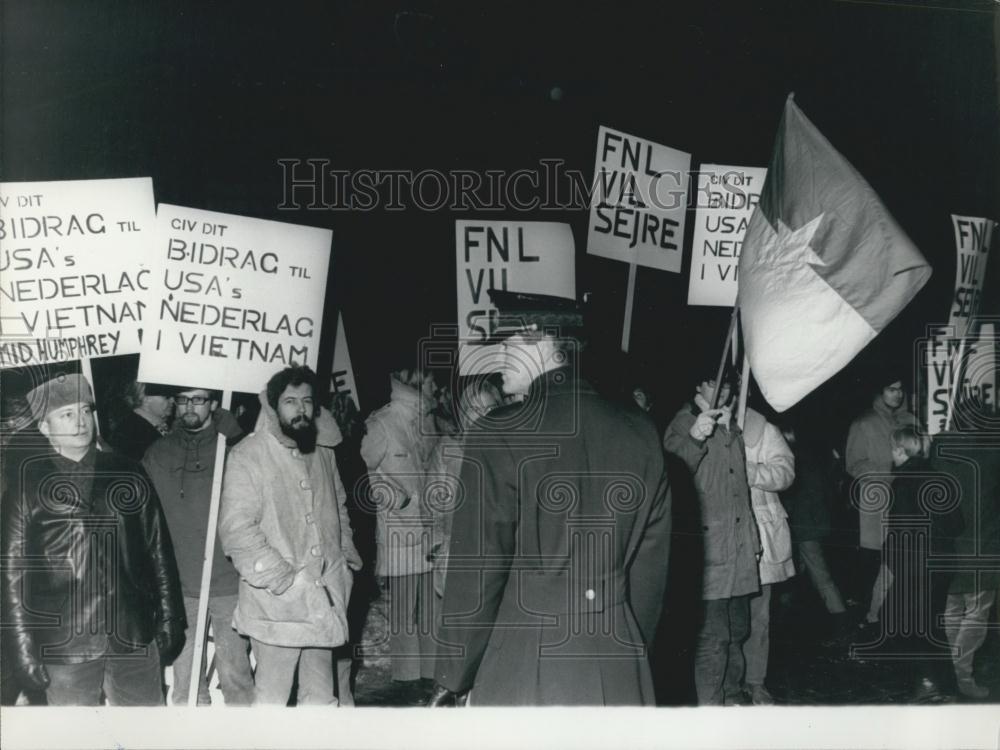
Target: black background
[[206, 97]]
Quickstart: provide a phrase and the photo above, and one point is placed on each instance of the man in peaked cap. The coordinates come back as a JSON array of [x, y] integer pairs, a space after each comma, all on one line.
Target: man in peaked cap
[[559, 546], [90, 585]]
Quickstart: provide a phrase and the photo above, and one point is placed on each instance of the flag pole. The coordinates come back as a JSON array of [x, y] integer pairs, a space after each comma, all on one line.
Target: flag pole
[[629, 304], [725, 351], [741, 415], [201, 631]]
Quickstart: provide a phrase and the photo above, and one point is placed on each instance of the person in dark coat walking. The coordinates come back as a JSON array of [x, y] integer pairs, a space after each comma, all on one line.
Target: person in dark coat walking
[[921, 529], [973, 463], [559, 547]]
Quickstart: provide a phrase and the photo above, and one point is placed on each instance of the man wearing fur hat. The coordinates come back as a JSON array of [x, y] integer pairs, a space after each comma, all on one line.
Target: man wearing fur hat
[[284, 523], [90, 585]]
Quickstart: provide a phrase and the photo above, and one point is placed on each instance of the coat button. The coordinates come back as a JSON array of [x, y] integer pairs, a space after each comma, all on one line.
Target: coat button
[[737, 519], [295, 452], [318, 582], [304, 484], [258, 566], [309, 517], [315, 550], [589, 594]]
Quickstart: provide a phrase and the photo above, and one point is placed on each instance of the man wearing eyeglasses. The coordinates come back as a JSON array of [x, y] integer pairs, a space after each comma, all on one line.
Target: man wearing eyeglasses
[[181, 465]]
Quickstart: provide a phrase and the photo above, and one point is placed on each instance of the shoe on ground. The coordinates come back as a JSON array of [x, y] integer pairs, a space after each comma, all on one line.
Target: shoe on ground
[[760, 696], [737, 699], [928, 691], [971, 689]]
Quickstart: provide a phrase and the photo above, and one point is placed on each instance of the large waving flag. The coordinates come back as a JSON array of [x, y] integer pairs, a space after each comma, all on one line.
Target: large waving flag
[[823, 268]]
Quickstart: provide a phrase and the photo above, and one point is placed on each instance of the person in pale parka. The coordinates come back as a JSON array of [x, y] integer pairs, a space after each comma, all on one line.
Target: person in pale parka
[[284, 523], [770, 469]]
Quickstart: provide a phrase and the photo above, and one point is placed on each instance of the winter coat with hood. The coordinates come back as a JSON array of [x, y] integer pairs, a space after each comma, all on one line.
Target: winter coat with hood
[[718, 466], [770, 469], [398, 449], [283, 520], [869, 461], [182, 466]]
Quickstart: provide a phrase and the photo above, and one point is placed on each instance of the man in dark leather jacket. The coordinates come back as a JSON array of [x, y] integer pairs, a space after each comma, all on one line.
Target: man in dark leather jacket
[[91, 593]]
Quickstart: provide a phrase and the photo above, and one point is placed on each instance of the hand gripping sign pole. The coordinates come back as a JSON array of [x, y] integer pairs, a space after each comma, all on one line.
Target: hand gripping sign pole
[[200, 632]]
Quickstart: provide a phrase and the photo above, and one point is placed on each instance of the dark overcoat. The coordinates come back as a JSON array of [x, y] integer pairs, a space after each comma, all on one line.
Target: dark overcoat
[[558, 554]]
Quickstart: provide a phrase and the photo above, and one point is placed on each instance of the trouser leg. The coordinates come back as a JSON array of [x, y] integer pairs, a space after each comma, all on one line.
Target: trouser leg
[[739, 628], [75, 684], [758, 643], [275, 673], [882, 583], [232, 657], [182, 664], [966, 618], [404, 644], [811, 554], [316, 677], [711, 652], [133, 679]]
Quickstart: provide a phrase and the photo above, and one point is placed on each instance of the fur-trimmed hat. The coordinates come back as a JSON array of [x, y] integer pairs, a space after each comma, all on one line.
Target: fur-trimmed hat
[[62, 390]]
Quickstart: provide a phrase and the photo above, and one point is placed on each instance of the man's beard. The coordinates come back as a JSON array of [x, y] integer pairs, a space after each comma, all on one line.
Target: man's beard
[[302, 430], [192, 422]]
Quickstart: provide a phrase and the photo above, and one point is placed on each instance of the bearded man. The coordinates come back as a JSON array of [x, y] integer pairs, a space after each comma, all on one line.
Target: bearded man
[[284, 523]]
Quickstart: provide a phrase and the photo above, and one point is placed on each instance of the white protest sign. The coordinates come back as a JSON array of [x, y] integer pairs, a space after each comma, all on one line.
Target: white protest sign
[[941, 360], [342, 377], [236, 299], [74, 268], [534, 257], [948, 356], [639, 201], [727, 197], [972, 243]]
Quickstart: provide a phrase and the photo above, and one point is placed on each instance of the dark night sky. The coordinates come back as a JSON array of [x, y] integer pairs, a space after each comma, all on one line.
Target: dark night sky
[[206, 97]]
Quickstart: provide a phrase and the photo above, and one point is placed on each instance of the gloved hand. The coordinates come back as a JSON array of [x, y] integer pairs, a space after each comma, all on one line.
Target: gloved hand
[[170, 640], [31, 673], [442, 697], [704, 425], [284, 583]]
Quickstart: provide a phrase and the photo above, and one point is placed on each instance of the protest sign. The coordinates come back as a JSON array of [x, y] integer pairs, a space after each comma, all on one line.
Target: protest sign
[[972, 361], [342, 378], [525, 256], [972, 243], [639, 200], [235, 299], [74, 268], [727, 197]]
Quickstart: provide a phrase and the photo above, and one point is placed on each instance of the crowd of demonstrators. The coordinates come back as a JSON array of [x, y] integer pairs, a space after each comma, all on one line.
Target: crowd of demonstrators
[[518, 525]]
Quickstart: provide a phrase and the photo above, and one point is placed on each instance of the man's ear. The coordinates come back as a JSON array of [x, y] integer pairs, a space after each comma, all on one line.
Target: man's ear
[[213, 405], [43, 426]]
